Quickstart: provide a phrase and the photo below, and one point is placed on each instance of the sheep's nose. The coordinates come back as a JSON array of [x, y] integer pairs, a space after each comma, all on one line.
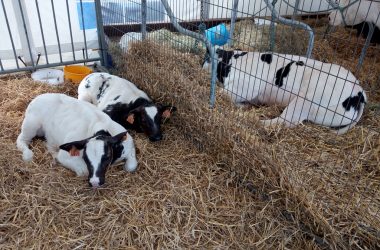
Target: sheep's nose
[[155, 138], [94, 182]]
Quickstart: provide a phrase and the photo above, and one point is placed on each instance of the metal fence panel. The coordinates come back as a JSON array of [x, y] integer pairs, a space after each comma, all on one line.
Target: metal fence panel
[[39, 34]]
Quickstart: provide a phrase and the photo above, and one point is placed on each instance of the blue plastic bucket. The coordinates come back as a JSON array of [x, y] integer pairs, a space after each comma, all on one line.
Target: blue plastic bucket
[[218, 35]]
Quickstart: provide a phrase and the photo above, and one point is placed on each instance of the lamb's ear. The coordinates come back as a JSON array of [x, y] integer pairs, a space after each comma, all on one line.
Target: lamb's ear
[[119, 137], [131, 118], [74, 147], [166, 110], [131, 115]]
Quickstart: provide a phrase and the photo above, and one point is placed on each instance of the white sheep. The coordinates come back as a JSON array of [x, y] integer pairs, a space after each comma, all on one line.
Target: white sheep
[[359, 12], [80, 136], [323, 93], [125, 103]]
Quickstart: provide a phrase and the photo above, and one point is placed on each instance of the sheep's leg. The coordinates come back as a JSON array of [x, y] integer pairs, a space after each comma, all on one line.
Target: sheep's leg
[[242, 100], [74, 163], [244, 104], [29, 130], [294, 114], [131, 161]]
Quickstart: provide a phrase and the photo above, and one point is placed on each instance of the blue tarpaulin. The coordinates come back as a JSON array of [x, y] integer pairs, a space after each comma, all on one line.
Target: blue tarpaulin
[[89, 15]]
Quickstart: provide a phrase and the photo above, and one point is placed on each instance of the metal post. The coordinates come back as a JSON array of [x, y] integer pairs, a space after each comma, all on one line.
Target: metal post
[[296, 7], [206, 9], [85, 56], [233, 20], [205, 4], [56, 31], [214, 63], [294, 23], [366, 45], [71, 32], [204, 40], [143, 19], [23, 24], [101, 37], [272, 33], [295, 11], [10, 34], [42, 32], [1, 66]]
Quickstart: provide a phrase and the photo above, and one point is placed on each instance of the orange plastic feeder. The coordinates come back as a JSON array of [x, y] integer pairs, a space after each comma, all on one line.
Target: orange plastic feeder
[[76, 73]]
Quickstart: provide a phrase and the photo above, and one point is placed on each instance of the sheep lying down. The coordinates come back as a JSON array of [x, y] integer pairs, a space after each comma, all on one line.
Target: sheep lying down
[[125, 103], [78, 135], [358, 15], [309, 90]]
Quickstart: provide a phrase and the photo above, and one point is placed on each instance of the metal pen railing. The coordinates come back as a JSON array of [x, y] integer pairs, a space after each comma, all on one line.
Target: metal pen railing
[[49, 52]]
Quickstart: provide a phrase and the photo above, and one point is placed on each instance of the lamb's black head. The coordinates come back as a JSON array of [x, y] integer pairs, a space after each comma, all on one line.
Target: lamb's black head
[[98, 153]]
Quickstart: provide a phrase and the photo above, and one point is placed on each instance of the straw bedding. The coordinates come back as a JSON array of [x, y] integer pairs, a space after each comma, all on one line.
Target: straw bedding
[[254, 37], [217, 180], [327, 185], [180, 197]]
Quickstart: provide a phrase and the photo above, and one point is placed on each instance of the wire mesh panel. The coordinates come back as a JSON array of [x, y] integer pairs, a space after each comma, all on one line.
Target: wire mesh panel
[[296, 114], [39, 34]]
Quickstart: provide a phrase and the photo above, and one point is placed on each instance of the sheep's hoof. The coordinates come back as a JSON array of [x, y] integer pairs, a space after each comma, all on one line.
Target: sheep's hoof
[[27, 155], [130, 166]]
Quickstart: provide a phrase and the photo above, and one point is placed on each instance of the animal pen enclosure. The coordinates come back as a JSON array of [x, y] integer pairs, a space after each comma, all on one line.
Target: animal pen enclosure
[[219, 179]]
